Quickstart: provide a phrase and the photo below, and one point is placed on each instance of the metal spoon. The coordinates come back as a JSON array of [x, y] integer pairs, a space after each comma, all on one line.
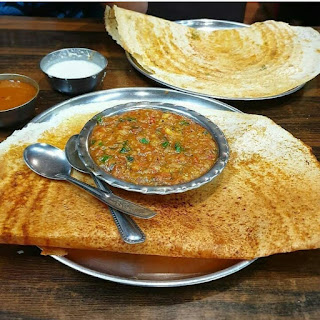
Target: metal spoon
[[51, 162], [128, 229]]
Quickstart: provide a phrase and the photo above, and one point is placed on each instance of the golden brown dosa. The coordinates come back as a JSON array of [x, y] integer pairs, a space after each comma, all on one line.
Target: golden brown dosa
[[266, 201], [263, 60]]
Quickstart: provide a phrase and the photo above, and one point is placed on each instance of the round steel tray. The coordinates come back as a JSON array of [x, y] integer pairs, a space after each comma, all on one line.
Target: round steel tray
[[140, 270], [150, 271]]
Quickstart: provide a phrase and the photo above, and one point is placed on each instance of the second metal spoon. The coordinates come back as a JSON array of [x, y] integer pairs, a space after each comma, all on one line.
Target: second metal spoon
[[128, 229]]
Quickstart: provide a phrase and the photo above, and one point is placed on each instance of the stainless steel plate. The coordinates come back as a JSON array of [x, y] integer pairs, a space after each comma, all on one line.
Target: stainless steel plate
[[150, 271], [139, 270], [210, 25]]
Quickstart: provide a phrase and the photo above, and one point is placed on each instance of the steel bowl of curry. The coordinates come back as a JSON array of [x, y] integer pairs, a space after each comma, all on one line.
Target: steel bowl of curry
[[18, 94], [153, 148]]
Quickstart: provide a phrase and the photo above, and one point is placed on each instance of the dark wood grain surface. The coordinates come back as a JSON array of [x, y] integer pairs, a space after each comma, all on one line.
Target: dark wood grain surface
[[285, 286]]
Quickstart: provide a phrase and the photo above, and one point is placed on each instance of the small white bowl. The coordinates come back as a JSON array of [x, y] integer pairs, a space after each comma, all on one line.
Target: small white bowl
[[70, 83]]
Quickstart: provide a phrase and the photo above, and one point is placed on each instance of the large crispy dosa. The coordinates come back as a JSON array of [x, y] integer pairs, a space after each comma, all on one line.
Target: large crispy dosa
[[266, 201], [263, 60]]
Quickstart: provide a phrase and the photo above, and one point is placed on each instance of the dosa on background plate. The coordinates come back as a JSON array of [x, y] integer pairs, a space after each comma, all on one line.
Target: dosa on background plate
[[266, 201], [266, 59]]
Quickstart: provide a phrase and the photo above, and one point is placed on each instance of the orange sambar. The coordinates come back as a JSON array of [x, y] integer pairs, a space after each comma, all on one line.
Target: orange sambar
[[152, 147], [14, 93]]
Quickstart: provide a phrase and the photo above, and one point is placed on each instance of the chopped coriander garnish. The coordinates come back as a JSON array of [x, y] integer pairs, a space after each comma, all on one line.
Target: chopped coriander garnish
[[124, 150], [99, 119], [125, 147], [129, 158], [100, 143], [164, 144], [144, 141], [92, 142], [184, 123], [178, 147], [205, 132], [105, 158]]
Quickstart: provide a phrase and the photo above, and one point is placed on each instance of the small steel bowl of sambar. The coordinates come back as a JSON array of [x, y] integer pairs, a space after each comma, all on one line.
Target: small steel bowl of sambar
[[185, 150], [18, 95]]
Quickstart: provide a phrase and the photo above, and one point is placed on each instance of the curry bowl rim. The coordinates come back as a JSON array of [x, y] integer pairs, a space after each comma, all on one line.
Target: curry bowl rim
[[214, 130]]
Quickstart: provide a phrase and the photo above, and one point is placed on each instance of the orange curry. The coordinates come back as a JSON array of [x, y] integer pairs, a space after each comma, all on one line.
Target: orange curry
[[14, 93], [152, 147]]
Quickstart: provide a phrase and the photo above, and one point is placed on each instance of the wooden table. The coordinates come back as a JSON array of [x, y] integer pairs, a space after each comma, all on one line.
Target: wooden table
[[36, 287]]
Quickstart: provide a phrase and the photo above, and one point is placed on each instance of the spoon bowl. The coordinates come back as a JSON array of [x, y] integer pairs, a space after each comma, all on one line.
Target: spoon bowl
[[48, 161]]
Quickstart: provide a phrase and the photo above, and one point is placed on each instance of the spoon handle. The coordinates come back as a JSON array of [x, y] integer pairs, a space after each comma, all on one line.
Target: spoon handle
[[129, 230], [112, 200]]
